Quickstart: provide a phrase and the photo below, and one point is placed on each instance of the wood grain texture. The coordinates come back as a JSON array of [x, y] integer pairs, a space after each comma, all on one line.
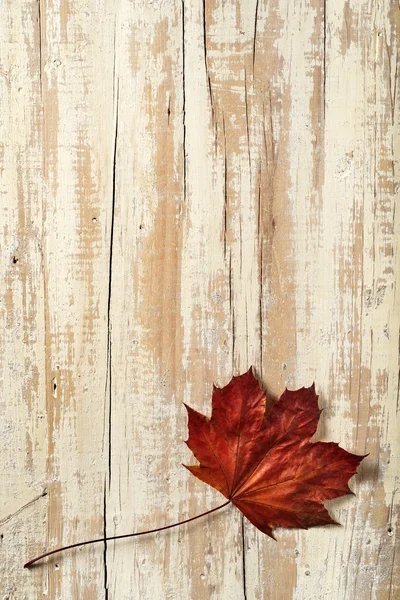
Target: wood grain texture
[[188, 189]]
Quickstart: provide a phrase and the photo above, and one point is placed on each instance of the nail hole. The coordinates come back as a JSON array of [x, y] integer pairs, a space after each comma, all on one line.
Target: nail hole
[[54, 387], [15, 260], [94, 219], [56, 566], [390, 531], [307, 573]]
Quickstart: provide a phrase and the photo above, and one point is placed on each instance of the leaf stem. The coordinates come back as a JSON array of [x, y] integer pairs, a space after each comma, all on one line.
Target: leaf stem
[[119, 537]]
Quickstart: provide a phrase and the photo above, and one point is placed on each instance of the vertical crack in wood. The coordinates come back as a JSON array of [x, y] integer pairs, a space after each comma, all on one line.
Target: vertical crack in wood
[[206, 62], [260, 242], [110, 267], [40, 47], [184, 101], [105, 541], [324, 63], [393, 563], [247, 120], [232, 308], [255, 35], [107, 482], [244, 560], [391, 586], [394, 97], [225, 186]]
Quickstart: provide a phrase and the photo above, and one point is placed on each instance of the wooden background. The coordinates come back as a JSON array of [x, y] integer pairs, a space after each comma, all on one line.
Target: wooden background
[[189, 188]]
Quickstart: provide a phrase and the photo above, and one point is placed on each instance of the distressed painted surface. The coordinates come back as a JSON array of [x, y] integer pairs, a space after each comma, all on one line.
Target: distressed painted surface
[[188, 188]]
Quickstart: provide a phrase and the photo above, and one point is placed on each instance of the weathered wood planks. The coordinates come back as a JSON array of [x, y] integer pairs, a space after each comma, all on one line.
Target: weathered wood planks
[[189, 188]]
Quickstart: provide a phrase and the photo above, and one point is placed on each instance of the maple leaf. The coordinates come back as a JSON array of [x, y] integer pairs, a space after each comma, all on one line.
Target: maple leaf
[[263, 461]]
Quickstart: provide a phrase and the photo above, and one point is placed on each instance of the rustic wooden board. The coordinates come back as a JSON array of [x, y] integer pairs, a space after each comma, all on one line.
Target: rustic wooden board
[[188, 189]]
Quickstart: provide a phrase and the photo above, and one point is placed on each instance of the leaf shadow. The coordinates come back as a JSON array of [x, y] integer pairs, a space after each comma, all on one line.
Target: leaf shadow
[[270, 398], [368, 471]]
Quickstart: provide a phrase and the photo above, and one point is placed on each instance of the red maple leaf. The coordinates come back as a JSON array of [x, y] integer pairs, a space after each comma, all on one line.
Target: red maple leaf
[[263, 461]]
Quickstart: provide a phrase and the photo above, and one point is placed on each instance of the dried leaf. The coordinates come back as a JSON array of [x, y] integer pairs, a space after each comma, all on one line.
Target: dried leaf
[[263, 461]]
